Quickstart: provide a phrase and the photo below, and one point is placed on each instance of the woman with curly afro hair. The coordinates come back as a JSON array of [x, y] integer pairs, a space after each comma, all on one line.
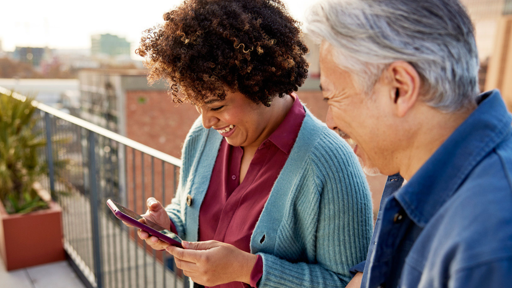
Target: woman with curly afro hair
[[268, 195]]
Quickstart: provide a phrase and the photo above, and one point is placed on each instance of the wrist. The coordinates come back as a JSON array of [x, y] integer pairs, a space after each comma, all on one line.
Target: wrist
[[248, 265]]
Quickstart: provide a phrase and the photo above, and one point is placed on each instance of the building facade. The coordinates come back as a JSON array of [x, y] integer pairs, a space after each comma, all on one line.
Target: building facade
[[110, 45], [500, 65]]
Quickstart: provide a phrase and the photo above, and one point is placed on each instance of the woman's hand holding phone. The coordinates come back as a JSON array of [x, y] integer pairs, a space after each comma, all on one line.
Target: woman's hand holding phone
[[155, 213]]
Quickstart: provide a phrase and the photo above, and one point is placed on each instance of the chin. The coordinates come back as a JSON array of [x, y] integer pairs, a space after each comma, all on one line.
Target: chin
[[369, 170]]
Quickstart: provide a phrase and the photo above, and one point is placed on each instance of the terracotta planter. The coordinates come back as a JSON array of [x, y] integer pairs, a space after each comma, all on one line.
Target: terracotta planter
[[31, 239]]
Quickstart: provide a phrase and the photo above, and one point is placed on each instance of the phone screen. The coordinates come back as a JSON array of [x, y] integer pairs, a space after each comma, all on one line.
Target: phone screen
[[137, 217]]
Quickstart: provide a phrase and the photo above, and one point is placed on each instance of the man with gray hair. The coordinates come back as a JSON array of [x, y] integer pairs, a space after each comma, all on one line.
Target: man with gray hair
[[401, 80]]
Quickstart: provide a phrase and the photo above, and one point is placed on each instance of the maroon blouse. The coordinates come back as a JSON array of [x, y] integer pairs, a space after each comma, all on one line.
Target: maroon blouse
[[230, 210]]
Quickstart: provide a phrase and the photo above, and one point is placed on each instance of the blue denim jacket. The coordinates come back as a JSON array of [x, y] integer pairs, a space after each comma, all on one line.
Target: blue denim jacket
[[451, 224]]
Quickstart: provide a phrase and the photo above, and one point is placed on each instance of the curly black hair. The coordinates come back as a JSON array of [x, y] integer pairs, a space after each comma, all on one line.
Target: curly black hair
[[206, 46]]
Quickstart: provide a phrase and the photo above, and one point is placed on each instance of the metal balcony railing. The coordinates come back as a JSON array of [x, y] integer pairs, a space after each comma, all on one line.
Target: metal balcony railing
[[102, 165]]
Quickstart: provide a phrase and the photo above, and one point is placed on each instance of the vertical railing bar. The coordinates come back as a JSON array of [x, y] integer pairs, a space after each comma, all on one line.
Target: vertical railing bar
[[107, 218], [102, 181], [88, 257], [144, 201], [55, 152], [55, 155], [74, 168], [47, 179], [72, 192], [164, 267], [85, 224], [174, 262], [113, 223], [76, 195], [74, 198], [67, 211], [135, 209], [116, 224], [101, 219], [94, 212], [55, 147], [65, 199], [153, 195], [58, 147], [49, 152], [123, 199], [63, 216], [108, 223]]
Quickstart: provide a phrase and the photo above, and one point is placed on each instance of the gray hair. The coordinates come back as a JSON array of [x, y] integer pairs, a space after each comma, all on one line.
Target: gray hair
[[434, 36]]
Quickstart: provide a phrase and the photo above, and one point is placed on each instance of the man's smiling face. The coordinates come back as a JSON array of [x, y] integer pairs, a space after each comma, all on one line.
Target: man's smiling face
[[360, 119]]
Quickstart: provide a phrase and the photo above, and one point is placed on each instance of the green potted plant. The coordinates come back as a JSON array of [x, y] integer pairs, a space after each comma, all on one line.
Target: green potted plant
[[30, 227]]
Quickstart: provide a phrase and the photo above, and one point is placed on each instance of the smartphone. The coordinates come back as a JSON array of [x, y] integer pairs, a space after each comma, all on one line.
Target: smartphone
[[129, 217]]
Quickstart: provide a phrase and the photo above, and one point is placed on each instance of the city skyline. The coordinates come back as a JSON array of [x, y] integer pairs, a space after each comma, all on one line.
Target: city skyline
[[59, 24]]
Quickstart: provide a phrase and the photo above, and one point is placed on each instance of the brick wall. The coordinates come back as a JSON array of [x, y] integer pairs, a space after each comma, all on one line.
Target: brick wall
[[154, 120]]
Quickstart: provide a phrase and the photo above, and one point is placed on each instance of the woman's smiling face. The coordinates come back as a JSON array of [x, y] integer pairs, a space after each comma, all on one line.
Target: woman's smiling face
[[238, 119]]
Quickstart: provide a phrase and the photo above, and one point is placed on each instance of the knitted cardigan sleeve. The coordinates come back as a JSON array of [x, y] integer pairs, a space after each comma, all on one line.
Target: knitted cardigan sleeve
[[189, 152], [343, 216]]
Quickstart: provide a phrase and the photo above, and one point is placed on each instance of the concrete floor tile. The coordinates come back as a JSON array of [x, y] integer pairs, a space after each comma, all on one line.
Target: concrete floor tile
[[14, 279], [54, 275]]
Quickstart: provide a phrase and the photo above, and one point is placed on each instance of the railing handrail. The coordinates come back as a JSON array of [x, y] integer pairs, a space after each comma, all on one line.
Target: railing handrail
[[97, 129]]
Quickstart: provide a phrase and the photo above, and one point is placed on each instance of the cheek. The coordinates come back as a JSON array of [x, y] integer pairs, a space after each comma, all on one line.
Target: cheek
[[340, 116], [233, 116]]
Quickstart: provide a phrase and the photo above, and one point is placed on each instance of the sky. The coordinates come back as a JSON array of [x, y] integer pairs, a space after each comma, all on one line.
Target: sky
[[69, 24]]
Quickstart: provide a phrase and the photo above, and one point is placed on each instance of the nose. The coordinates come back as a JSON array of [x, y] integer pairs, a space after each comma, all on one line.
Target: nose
[[329, 120], [208, 120]]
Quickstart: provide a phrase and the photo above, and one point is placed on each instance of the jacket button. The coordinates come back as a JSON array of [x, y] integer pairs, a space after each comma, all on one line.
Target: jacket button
[[398, 218], [189, 200]]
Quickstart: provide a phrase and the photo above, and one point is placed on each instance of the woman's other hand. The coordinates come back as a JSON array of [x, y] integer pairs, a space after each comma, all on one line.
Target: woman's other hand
[[156, 214], [212, 263]]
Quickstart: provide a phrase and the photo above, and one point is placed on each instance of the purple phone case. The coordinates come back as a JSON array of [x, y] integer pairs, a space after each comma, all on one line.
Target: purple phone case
[[171, 238]]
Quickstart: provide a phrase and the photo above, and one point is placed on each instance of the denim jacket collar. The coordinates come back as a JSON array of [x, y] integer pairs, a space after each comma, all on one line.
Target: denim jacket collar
[[437, 180]]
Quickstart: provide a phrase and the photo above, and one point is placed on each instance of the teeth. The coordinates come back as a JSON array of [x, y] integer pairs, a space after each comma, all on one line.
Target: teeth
[[227, 129]]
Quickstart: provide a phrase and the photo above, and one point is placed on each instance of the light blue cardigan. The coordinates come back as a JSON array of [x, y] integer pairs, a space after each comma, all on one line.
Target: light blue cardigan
[[317, 222]]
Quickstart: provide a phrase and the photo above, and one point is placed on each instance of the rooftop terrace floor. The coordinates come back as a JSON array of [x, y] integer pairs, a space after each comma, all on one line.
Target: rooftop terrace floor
[[54, 275]]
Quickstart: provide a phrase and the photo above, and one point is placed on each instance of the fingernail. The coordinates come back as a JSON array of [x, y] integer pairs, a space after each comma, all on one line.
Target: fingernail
[[184, 244]]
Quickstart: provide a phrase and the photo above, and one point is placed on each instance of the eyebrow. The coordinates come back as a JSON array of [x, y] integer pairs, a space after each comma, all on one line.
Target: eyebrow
[[211, 101]]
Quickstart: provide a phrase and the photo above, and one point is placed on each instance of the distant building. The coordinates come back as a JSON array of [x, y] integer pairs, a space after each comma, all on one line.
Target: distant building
[[485, 16], [30, 55], [508, 7], [46, 91], [75, 59], [499, 72], [108, 44], [2, 53]]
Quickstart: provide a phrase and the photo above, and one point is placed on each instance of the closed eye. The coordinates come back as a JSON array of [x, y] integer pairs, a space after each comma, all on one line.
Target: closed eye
[[217, 108]]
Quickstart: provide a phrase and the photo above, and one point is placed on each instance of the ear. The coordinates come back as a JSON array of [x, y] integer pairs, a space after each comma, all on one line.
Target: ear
[[404, 86]]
